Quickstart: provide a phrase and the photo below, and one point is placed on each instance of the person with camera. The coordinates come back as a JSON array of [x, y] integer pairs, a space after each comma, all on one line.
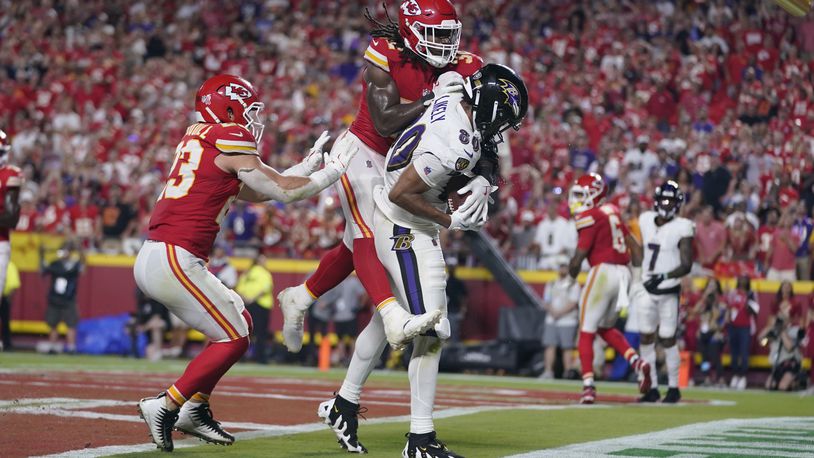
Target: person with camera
[[784, 334], [711, 313], [742, 308]]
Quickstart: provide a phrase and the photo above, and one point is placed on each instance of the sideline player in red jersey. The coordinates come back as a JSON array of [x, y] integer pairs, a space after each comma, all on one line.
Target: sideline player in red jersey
[[216, 162], [11, 178], [604, 240]]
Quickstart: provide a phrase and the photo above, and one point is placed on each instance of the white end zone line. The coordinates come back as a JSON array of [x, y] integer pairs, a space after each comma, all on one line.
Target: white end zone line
[[690, 440]]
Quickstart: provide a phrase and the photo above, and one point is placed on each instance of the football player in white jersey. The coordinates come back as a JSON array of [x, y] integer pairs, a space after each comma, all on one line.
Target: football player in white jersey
[[667, 240], [411, 207]]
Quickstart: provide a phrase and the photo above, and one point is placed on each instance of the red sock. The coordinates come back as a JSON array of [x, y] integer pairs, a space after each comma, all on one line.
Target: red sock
[[204, 372], [371, 271], [617, 340], [334, 267], [585, 345]]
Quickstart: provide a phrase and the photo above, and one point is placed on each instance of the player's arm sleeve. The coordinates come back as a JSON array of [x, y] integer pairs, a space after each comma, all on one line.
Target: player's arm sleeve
[[376, 57], [586, 232]]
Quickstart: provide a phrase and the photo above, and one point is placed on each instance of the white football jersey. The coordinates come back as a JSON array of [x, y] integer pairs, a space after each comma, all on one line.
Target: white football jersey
[[441, 144], [660, 244]]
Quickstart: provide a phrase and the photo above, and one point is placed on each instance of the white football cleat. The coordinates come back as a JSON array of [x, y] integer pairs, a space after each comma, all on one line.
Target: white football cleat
[[160, 420], [401, 327], [294, 302], [196, 420]]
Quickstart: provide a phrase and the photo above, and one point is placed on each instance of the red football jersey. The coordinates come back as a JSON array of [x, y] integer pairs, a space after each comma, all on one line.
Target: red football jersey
[[83, 220], [10, 177], [602, 234], [198, 193], [413, 81]]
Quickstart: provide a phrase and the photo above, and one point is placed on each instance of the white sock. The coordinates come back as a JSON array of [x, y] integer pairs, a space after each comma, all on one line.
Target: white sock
[[673, 361], [423, 374], [648, 353], [366, 352], [303, 296]]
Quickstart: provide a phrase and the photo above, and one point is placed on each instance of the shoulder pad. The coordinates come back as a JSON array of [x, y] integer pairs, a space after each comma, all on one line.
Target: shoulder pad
[[584, 221], [467, 63], [381, 53], [233, 138]]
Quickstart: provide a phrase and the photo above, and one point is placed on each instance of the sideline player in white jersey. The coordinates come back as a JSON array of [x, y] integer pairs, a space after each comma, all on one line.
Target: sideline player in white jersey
[[667, 241], [420, 171]]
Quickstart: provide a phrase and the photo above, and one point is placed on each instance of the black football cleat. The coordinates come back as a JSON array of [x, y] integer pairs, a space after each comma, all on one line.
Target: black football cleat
[[652, 395], [343, 418], [196, 420], [672, 396], [426, 446], [160, 421]]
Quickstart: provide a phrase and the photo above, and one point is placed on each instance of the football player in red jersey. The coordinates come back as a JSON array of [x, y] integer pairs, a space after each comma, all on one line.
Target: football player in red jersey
[[404, 61], [216, 162], [11, 178], [604, 241]]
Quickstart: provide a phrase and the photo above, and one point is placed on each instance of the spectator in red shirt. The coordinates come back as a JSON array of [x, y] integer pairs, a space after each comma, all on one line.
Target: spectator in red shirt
[[764, 238], [710, 238], [86, 221], [29, 218], [781, 257], [742, 307]]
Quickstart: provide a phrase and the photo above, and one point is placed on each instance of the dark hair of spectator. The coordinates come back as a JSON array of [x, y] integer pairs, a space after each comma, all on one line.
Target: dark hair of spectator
[[718, 290], [389, 30], [780, 295]]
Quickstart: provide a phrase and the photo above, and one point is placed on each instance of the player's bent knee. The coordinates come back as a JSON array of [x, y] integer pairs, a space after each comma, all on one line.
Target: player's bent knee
[[425, 345], [668, 341], [648, 339]]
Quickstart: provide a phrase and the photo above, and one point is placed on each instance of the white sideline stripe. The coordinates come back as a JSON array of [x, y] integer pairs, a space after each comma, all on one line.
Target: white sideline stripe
[[704, 442], [281, 430], [687, 433]]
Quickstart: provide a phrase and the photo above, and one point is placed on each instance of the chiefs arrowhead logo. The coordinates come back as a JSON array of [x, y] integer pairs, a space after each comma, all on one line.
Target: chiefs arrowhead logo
[[410, 8], [236, 92]]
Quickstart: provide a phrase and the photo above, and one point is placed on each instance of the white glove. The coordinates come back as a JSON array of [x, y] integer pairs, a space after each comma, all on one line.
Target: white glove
[[314, 159], [340, 156], [462, 222], [477, 205], [447, 83]]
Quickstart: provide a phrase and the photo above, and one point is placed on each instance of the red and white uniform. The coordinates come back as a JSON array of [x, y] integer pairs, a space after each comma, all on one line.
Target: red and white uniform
[[171, 266], [10, 177], [366, 169], [602, 234]]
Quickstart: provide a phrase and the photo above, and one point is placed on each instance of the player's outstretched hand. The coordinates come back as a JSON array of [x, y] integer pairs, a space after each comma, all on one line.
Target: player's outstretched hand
[[462, 222], [476, 206], [447, 83], [340, 156], [315, 157]]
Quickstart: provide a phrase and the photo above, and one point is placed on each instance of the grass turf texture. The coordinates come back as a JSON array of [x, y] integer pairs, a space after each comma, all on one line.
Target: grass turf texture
[[487, 434]]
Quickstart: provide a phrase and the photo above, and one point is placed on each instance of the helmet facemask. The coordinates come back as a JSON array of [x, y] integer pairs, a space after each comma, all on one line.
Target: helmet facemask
[[667, 207], [578, 200], [254, 123], [437, 44]]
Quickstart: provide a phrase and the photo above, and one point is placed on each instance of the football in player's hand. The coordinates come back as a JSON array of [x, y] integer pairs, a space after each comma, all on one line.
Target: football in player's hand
[[455, 200]]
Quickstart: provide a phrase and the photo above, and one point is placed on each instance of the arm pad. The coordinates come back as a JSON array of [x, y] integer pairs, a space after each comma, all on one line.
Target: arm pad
[[272, 190]]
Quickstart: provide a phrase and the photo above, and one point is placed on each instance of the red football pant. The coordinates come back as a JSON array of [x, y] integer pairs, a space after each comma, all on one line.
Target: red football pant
[[370, 270], [204, 372], [334, 267], [613, 337]]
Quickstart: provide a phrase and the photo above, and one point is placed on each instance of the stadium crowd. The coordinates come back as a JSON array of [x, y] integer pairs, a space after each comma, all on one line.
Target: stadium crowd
[[715, 94]]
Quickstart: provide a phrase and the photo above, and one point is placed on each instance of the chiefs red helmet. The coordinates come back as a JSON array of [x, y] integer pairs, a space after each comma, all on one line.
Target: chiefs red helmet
[[222, 93], [5, 146], [586, 193], [431, 29]]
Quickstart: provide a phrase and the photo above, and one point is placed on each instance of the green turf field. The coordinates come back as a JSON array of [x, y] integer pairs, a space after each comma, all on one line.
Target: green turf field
[[505, 432]]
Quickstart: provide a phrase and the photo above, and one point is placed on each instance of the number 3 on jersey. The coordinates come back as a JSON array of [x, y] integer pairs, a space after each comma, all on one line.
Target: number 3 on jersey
[[182, 174]]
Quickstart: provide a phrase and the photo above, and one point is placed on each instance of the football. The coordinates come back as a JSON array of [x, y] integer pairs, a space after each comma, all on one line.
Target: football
[[454, 200]]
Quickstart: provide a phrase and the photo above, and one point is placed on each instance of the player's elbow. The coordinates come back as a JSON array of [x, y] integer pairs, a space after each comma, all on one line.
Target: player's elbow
[[384, 128], [396, 197]]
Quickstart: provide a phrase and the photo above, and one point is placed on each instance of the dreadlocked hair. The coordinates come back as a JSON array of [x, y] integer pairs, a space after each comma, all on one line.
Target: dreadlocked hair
[[389, 30]]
